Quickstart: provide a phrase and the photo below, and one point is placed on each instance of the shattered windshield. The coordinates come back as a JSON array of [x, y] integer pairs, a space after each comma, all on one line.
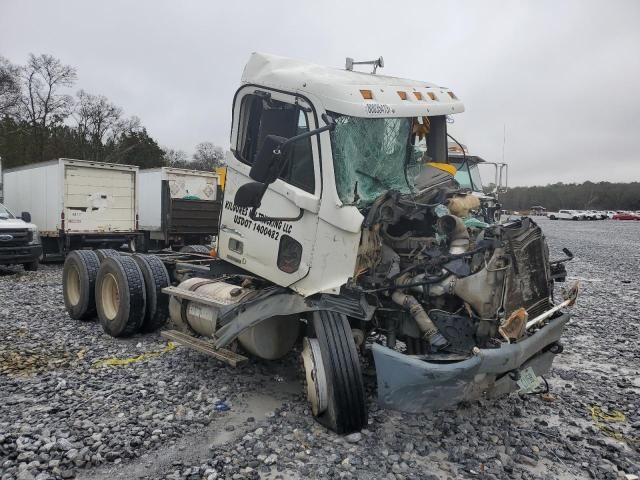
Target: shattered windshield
[[374, 155]]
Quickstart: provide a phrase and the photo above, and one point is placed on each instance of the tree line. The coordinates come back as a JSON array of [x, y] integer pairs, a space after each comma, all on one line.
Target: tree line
[[40, 120], [578, 196]]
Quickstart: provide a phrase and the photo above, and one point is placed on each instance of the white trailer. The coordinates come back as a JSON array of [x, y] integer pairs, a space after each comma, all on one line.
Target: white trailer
[[178, 206], [76, 203]]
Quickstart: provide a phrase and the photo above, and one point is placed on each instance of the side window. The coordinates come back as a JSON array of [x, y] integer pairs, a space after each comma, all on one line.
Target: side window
[[260, 117]]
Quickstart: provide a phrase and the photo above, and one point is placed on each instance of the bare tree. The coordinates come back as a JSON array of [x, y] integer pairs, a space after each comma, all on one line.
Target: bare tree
[[207, 156], [9, 87], [127, 126], [97, 117], [43, 105], [176, 158]]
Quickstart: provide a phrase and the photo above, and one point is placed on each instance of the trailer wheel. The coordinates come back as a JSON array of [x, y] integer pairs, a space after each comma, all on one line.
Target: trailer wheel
[[201, 249], [120, 296], [156, 278], [78, 284], [103, 253], [334, 381]]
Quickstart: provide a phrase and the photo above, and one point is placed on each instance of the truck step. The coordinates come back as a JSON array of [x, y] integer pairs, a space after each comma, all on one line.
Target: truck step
[[204, 346]]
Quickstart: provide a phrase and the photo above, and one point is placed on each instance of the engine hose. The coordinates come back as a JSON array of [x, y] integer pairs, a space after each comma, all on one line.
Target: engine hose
[[417, 312]]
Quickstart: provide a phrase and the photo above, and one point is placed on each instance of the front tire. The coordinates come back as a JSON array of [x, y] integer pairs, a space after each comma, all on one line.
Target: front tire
[[334, 380], [31, 266]]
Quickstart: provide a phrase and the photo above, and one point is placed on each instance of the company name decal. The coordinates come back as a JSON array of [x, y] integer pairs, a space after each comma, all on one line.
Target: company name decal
[[269, 228]]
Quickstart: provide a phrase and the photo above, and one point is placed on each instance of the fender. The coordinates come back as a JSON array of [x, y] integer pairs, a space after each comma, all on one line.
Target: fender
[[257, 309]]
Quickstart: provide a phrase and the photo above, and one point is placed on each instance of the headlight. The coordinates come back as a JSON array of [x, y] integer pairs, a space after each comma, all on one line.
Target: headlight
[[34, 236]]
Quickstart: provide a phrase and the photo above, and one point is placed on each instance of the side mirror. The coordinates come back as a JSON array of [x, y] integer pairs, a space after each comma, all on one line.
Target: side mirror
[[249, 195], [268, 162], [26, 216]]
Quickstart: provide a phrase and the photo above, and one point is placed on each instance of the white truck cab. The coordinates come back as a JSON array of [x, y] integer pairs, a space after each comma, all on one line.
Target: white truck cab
[[316, 203], [19, 240]]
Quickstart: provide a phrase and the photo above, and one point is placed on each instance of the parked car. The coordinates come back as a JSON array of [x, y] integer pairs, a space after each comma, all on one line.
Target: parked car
[[594, 215], [626, 216], [566, 215]]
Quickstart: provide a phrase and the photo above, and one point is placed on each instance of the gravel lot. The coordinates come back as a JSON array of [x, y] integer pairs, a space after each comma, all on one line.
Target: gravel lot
[[182, 415]]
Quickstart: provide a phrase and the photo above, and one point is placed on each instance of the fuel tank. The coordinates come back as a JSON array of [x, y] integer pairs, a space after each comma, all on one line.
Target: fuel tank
[[270, 339]]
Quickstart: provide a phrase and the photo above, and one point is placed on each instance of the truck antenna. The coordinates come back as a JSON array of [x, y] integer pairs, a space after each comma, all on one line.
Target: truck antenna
[[504, 139], [376, 63]]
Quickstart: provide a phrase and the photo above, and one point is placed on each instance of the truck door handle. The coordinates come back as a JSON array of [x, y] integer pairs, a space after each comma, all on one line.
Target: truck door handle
[[225, 229]]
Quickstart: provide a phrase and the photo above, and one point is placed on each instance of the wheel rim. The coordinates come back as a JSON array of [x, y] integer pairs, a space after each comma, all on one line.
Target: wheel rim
[[73, 285], [110, 296], [315, 375]]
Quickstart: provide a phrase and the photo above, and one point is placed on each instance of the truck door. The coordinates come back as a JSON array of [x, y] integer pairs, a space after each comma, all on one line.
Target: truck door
[[278, 250]]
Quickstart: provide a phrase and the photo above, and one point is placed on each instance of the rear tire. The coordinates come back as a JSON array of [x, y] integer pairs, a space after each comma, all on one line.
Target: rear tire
[[343, 407], [156, 278], [120, 296], [103, 253], [78, 284], [201, 249]]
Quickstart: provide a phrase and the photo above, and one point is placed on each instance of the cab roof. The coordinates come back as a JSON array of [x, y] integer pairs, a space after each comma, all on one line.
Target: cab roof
[[351, 93]]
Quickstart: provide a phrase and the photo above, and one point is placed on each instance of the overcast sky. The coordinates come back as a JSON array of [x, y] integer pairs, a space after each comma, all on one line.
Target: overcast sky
[[563, 77]]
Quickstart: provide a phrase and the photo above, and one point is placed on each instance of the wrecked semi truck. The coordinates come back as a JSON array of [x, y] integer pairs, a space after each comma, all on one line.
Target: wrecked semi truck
[[76, 203], [342, 235]]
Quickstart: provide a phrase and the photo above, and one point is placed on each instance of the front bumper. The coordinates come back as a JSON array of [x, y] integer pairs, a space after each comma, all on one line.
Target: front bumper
[[15, 255], [413, 385]]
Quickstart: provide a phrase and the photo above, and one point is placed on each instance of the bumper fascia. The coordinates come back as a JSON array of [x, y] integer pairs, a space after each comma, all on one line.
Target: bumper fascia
[[412, 385], [16, 255]]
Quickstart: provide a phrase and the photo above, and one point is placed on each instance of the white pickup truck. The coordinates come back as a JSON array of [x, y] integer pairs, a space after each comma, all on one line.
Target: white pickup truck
[[566, 215], [19, 240]]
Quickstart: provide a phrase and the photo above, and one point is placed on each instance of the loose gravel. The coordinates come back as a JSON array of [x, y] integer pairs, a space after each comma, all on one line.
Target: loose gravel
[[180, 414]]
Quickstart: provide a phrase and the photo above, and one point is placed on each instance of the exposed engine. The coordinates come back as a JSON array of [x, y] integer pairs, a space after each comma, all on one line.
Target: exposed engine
[[441, 281]]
